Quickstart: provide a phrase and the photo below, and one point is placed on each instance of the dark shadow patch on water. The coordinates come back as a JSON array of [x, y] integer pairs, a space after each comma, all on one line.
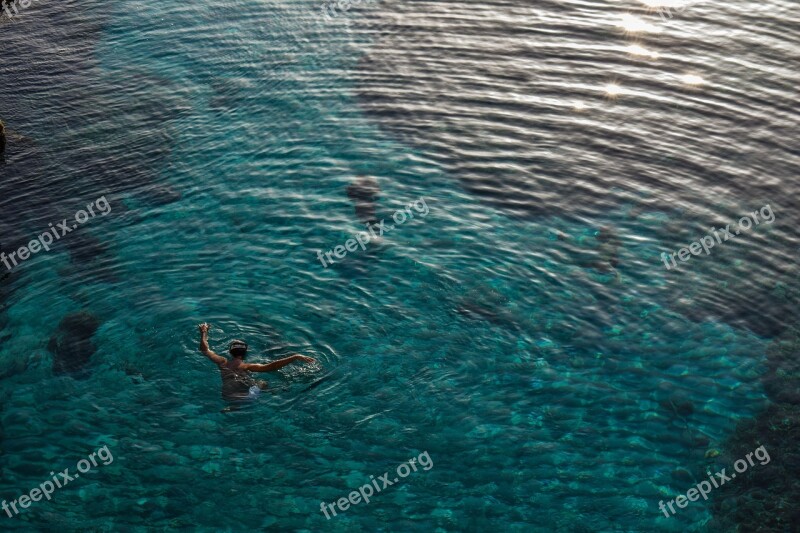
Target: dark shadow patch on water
[[72, 346], [90, 257], [764, 498], [364, 193], [75, 135]]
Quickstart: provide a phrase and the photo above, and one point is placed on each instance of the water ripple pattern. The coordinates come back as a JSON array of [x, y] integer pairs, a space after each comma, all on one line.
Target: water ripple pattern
[[524, 332]]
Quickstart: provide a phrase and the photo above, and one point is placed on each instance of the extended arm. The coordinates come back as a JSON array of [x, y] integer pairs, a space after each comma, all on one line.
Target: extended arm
[[280, 363], [204, 349]]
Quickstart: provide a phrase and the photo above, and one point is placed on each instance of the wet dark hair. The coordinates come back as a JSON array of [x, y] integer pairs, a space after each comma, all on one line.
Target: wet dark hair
[[238, 348]]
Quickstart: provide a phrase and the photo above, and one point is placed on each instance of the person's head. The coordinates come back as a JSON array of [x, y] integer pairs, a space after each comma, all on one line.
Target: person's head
[[238, 349]]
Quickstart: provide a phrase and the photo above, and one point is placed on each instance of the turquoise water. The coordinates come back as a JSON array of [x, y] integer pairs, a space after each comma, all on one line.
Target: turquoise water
[[495, 333]]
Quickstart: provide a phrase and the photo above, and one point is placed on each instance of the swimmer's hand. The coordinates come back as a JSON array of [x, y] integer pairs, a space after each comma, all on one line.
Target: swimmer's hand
[[304, 358], [204, 347]]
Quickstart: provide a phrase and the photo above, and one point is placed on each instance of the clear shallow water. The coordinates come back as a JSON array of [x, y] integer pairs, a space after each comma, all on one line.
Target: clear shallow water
[[492, 334]]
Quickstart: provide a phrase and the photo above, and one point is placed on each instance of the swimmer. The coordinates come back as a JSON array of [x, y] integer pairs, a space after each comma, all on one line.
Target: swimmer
[[237, 383]]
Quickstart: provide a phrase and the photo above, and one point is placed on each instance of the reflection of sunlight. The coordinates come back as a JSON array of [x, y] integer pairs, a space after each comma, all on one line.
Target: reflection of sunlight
[[638, 50], [692, 79], [666, 3], [580, 106], [613, 90], [632, 23]]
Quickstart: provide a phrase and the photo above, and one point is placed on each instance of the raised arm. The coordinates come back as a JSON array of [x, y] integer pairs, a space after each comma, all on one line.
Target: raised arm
[[204, 349], [280, 363]]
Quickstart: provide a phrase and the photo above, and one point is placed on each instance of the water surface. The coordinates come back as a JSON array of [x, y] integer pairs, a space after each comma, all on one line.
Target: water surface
[[525, 332]]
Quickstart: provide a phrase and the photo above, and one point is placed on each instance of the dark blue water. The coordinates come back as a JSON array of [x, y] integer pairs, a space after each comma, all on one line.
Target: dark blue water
[[524, 331]]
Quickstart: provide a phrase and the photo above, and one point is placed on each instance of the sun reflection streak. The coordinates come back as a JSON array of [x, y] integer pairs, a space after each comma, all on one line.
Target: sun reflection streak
[[692, 79], [633, 24], [613, 89], [665, 3], [638, 50]]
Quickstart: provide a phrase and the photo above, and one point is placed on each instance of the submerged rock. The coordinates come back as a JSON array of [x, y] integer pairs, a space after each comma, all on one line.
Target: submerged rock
[[364, 192], [85, 248], [605, 257], [91, 257], [765, 496], [782, 380], [72, 346], [682, 476], [6, 134], [678, 406]]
